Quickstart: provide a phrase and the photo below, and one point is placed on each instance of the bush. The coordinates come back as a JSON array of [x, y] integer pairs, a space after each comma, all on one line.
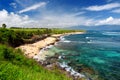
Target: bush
[[7, 54], [9, 37]]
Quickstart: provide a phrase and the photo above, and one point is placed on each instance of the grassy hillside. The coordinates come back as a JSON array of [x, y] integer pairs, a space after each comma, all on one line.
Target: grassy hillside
[[14, 66]]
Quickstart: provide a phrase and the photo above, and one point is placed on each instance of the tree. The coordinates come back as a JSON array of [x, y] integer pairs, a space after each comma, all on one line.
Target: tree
[[3, 25]]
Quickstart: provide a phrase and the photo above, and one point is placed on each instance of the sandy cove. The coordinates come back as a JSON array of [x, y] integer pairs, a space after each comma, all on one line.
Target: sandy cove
[[33, 50], [30, 50]]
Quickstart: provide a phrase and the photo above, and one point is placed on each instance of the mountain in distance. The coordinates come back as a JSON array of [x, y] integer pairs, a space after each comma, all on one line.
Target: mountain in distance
[[102, 27]]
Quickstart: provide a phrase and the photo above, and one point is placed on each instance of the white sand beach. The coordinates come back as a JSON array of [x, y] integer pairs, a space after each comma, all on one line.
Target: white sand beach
[[33, 50]]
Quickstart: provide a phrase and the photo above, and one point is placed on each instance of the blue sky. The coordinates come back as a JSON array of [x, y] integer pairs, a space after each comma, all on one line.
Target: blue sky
[[59, 13]]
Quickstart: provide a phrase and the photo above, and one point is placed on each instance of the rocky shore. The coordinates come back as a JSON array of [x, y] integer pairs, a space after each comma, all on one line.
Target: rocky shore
[[53, 62], [35, 51]]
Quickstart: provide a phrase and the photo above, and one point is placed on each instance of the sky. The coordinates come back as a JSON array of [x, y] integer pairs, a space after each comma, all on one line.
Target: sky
[[59, 13]]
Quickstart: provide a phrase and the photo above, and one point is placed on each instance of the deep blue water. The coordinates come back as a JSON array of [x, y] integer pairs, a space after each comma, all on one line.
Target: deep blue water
[[97, 50]]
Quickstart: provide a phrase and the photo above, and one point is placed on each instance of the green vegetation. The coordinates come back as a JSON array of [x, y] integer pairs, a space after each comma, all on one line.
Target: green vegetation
[[14, 65], [18, 36], [45, 30], [9, 37]]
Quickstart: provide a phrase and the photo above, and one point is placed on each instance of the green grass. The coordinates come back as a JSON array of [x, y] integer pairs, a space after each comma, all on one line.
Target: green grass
[[15, 66], [43, 30]]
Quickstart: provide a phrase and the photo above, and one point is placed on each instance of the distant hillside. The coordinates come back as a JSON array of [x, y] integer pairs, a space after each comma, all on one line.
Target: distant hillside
[[103, 27]]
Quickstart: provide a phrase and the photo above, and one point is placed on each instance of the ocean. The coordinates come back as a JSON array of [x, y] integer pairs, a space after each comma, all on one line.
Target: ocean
[[95, 50]]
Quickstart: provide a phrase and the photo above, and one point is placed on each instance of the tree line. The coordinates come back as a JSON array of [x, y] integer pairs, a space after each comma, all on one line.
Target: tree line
[[18, 36]]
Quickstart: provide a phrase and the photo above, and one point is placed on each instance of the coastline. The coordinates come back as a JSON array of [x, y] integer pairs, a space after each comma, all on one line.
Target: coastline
[[36, 49], [32, 50]]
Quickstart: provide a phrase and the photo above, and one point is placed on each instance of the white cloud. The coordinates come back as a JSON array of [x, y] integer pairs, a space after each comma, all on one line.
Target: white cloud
[[103, 7], [68, 20], [12, 19], [109, 21], [78, 13], [33, 7], [13, 5], [53, 20], [116, 11], [64, 20], [46, 20]]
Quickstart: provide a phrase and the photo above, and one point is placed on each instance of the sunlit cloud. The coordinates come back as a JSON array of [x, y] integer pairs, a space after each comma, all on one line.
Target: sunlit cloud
[[33, 7], [14, 20], [109, 21], [103, 7]]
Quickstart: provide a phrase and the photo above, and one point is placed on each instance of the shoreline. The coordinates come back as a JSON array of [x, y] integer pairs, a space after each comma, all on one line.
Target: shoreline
[[31, 50], [35, 51]]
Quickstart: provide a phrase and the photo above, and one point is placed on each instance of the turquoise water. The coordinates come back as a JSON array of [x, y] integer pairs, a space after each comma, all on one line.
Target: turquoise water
[[97, 50]]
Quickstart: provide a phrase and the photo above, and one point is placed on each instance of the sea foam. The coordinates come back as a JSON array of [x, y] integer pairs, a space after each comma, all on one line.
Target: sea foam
[[111, 33], [71, 70]]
